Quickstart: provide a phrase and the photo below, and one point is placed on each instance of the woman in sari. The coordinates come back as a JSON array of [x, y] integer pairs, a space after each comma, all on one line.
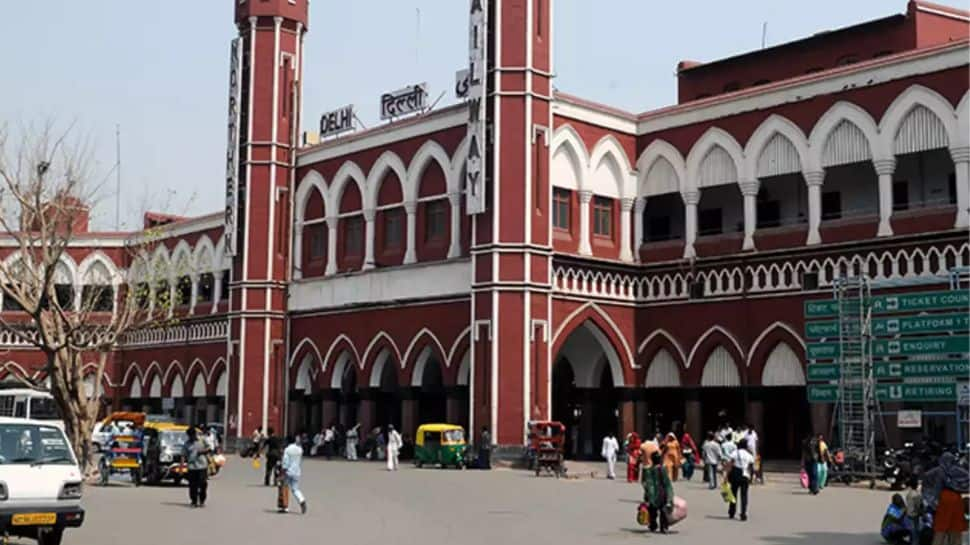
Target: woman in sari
[[672, 456], [942, 487], [692, 455], [633, 457]]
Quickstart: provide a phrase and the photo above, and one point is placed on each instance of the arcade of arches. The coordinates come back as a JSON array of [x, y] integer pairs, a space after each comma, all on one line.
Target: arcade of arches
[[591, 395], [385, 394]]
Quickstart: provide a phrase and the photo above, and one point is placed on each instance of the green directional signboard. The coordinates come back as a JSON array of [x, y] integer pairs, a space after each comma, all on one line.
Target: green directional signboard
[[829, 393], [891, 304], [820, 372], [905, 325], [823, 351], [956, 344]]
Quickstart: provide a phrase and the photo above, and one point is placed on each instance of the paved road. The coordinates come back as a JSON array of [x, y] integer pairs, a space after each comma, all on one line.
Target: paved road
[[362, 504]]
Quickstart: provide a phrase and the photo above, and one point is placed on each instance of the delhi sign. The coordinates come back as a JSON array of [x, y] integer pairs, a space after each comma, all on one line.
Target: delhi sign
[[337, 121]]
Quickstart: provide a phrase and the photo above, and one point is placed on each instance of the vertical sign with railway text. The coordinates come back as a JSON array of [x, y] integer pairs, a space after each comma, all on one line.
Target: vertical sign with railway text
[[232, 149], [476, 96]]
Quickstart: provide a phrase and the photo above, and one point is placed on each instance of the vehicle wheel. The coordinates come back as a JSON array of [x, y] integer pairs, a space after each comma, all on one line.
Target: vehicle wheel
[[177, 481], [50, 536], [103, 470]]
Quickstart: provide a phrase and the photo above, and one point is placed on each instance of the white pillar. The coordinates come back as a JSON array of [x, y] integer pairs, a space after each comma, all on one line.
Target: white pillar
[[638, 207], [410, 254], [333, 223], [194, 297], [217, 280], [691, 199], [626, 206], [749, 191], [961, 165], [369, 214], [813, 181], [172, 294], [885, 169], [454, 250], [585, 197]]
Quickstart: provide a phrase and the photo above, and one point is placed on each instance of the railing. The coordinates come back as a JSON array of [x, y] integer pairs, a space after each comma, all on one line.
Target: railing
[[729, 280], [179, 333]]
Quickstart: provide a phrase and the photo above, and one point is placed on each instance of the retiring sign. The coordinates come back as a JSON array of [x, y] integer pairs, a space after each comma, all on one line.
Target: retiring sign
[[475, 168]]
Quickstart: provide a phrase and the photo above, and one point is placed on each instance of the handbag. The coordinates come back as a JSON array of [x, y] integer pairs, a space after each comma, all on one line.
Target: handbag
[[256, 463], [726, 493], [803, 478], [643, 514], [679, 511]]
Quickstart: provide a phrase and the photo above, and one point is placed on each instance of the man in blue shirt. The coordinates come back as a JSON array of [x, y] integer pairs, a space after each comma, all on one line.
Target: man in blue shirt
[[292, 460]]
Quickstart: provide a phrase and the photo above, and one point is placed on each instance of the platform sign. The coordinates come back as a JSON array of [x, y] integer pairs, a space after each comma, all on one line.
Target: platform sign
[[829, 393], [891, 304], [823, 372], [955, 344], [903, 325]]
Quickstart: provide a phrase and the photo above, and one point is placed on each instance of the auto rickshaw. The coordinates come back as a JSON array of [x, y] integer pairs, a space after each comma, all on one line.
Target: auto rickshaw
[[163, 452], [546, 441], [124, 452], [441, 444]]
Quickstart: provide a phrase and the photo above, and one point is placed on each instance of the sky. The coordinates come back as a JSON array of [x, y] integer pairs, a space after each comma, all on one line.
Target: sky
[[159, 70]]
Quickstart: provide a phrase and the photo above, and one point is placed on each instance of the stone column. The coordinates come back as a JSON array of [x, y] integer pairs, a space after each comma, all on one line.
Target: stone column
[[587, 443], [411, 209], [455, 406], [638, 207], [693, 421], [626, 253], [813, 181], [217, 280], [641, 410], [369, 214], [585, 197], [961, 165], [409, 411], [755, 415], [749, 191], [328, 408], [194, 297], [691, 200], [333, 224], [454, 249], [885, 169], [211, 407], [627, 422], [366, 412]]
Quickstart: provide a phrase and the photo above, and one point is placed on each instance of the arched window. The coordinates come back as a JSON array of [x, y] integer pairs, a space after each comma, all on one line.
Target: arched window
[[97, 293]]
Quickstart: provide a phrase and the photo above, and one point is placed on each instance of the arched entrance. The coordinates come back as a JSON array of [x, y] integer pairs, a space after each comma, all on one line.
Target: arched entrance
[[585, 379], [348, 398], [430, 389], [387, 398]]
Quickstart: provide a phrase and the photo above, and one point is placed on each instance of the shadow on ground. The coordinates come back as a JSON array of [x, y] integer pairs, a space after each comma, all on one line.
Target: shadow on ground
[[828, 538]]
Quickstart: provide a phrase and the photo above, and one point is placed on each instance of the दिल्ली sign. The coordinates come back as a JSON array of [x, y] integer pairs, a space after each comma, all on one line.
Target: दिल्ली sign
[[907, 325], [917, 346], [829, 393], [896, 369], [887, 304]]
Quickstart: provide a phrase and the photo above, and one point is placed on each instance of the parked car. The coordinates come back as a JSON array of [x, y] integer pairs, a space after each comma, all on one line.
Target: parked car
[[40, 481]]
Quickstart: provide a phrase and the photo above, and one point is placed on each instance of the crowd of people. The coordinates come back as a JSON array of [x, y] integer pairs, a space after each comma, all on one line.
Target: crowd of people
[[656, 463], [933, 512]]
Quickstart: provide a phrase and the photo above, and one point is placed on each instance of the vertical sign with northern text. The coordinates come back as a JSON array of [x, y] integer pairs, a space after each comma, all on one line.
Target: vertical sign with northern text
[[232, 149], [476, 96]]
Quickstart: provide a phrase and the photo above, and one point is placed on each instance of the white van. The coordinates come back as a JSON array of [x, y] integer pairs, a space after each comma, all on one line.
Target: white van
[[40, 481], [29, 403]]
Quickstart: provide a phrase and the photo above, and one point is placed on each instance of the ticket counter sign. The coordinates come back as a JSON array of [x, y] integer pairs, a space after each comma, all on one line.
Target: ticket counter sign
[[893, 304]]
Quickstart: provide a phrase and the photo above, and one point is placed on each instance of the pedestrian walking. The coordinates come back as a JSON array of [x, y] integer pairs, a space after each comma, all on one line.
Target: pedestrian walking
[[292, 470], [822, 468], [712, 457], [272, 449], [942, 487], [914, 509], [394, 444], [740, 473], [810, 462], [632, 445], [658, 493], [352, 437], [610, 448], [672, 457], [195, 453], [485, 449], [691, 455]]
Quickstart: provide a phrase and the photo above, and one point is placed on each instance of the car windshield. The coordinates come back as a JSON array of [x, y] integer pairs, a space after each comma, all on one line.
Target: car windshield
[[43, 408], [33, 444], [453, 436], [172, 438]]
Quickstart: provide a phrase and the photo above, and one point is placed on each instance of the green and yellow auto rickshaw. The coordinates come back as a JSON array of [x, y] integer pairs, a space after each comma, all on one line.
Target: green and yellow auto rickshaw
[[440, 444]]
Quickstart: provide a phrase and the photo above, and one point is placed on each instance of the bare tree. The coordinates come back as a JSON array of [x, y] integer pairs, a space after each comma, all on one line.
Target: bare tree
[[45, 194]]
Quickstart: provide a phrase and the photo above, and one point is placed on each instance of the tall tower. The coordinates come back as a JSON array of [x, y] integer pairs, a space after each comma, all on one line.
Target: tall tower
[[264, 110], [511, 244]]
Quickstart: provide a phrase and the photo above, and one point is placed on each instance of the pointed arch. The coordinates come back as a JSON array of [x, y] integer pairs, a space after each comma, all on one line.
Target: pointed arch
[[132, 373], [381, 361], [464, 369], [761, 348], [783, 367], [308, 345], [460, 341], [13, 368], [168, 381], [199, 386], [606, 332], [663, 371], [429, 151], [661, 169], [311, 184], [610, 169], [936, 119], [343, 365], [662, 333], [962, 139], [715, 159], [720, 369], [348, 345], [830, 122], [304, 375], [203, 257], [388, 161], [349, 172], [219, 378], [97, 257], [570, 159], [794, 338], [134, 390], [765, 155], [382, 341], [429, 337], [715, 330]]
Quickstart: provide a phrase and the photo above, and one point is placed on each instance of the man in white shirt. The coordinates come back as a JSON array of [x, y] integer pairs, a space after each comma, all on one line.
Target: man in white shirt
[[394, 444], [610, 448], [291, 465], [740, 473], [752, 439]]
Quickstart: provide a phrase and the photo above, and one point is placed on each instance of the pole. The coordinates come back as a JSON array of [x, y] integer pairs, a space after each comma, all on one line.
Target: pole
[[118, 177], [764, 34]]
